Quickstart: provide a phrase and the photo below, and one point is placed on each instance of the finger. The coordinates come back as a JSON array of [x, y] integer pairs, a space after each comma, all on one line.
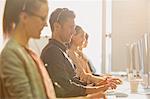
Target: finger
[[115, 80], [113, 86], [103, 87], [102, 82]]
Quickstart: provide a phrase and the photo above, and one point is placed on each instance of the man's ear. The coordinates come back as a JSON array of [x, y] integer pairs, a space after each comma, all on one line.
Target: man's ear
[[23, 17], [57, 26]]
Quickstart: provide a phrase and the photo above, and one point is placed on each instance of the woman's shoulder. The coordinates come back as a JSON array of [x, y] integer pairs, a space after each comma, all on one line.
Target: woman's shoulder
[[12, 47]]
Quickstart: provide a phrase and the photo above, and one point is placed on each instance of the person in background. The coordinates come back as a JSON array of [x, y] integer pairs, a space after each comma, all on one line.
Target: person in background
[[22, 73], [57, 62], [82, 55], [83, 71], [80, 52]]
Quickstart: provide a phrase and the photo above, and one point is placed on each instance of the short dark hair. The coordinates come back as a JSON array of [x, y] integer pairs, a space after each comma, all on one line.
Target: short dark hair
[[60, 15], [13, 8]]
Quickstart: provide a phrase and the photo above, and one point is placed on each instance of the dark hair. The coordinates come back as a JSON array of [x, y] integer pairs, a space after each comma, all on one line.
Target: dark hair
[[60, 15], [12, 10], [78, 29]]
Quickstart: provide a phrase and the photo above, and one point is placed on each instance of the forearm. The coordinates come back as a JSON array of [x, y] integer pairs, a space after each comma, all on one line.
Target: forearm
[[70, 89], [97, 79], [64, 84]]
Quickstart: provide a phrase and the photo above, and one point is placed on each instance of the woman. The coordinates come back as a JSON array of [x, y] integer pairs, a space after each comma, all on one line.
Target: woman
[[90, 67], [78, 42], [82, 70], [22, 73]]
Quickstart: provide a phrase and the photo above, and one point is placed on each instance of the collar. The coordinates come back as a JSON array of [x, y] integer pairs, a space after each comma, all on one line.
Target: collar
[[59, 44]]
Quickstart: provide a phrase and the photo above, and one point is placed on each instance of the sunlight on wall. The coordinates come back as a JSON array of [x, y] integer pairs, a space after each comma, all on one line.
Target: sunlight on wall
[[2, 4], [88, 15]]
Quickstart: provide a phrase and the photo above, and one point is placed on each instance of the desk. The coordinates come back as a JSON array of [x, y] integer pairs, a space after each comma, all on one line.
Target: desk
[[125, 88]]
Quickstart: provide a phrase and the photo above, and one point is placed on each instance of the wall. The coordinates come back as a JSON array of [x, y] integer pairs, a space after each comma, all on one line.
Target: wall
[[129, 23], [148, 12], [2, 3]]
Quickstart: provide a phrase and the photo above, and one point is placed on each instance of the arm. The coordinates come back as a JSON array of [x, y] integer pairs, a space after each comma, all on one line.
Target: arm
[[14, 76], [66, 88], [81, 72], [61, 73]]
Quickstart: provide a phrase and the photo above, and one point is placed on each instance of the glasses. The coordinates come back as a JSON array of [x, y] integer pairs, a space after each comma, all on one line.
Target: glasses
[[60, 13], [43, 18]]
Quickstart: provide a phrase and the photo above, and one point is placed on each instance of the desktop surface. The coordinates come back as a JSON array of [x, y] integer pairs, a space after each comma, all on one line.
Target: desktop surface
[[123, 92]]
